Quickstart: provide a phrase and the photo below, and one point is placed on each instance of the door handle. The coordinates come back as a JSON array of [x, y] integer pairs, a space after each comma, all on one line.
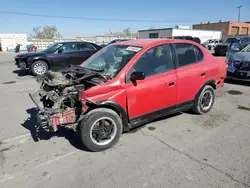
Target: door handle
[[171, 84], [203, 74]]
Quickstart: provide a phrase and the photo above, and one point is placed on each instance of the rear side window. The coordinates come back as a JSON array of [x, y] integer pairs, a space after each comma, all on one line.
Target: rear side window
[[188, 54], [84, 46]]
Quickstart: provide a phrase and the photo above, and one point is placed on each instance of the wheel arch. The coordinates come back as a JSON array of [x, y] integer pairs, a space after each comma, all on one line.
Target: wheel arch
[[113, 106], [211, 83], [40, 59]]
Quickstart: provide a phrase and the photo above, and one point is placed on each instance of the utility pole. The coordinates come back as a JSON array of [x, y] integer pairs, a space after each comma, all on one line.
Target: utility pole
[[239, 7]]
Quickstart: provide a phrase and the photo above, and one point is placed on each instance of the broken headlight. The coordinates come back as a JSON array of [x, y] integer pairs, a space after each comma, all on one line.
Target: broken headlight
[[236, 64]]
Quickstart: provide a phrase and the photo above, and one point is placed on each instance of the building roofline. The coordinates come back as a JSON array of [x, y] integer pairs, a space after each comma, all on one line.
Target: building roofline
[[222, 22], [155, 29], [207, 23], [178, 29]]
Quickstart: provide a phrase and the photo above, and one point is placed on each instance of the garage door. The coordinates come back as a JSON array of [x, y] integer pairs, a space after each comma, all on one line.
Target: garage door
[[235, 31], [244, 30]]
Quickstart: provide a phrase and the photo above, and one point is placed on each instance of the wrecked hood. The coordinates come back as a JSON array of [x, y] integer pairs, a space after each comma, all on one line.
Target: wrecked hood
[[72, 75]]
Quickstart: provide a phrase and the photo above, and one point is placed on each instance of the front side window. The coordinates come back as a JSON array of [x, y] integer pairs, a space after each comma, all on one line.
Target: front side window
[[188, 54], [155, 61], [111, 59], [53, 48]]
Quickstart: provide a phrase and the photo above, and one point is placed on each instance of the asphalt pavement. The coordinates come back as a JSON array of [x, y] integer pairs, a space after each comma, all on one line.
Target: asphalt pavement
[[183, 150]]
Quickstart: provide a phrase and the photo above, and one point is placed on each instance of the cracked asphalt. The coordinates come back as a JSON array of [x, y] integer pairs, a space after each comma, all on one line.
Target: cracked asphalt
[[183, 150]]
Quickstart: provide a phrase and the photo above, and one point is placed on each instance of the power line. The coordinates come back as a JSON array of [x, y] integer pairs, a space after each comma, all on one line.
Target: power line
[[88, 18]]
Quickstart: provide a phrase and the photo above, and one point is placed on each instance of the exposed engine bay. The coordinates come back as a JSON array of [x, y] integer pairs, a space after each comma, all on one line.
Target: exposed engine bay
[[58, 97]]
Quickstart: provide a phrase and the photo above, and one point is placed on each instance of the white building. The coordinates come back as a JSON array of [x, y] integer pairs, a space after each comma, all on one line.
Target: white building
[[8, 42], [171, 32]]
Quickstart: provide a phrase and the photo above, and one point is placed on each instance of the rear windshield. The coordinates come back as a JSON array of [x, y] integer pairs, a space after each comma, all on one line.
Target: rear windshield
[[230, 40]]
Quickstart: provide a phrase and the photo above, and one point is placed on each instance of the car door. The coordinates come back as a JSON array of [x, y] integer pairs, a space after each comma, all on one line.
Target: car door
[[153, 96], [84, 51], [191, 71], [64, 56]]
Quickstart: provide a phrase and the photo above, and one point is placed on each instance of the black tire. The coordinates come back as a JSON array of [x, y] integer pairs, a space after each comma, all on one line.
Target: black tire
[[197, 108], [36, 63], [86, 124]]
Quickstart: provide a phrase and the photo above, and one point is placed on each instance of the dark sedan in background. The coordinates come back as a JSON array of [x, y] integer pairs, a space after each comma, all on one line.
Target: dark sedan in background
[[222, 48], [59, 55], [238, 59]]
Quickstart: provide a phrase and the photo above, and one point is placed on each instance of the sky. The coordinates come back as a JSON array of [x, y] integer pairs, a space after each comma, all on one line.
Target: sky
[[169, 12]]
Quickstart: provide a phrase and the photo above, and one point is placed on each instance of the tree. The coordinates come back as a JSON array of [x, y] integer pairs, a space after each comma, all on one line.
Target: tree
[[47, 32], [127, 32]]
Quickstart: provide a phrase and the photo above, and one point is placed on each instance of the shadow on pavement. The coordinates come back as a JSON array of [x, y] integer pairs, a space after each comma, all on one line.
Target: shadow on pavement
[[21, 73], [236, 82], [39, 134]]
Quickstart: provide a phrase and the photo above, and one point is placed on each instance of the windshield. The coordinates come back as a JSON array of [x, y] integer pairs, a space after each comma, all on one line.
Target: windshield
[[53, 48], [210, 41], [246, 48], [230, 40], [111, 59]]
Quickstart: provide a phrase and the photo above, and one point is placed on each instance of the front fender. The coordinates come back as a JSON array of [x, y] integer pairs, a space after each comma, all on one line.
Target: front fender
[[37, 58], [116, 100]]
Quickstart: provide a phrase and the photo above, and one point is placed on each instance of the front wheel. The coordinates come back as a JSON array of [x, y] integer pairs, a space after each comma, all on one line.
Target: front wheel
[[204, 101], [39, 68], [100, 129]]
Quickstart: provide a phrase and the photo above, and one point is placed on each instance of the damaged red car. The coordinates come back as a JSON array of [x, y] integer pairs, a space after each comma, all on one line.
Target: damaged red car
[[128, 84]]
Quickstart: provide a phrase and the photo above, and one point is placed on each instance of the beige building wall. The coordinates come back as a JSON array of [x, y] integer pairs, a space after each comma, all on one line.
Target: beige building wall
[[227, 28]]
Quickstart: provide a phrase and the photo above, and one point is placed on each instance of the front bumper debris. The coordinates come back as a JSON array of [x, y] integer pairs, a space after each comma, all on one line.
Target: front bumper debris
[[49, 119], [21, 63], [239, 75]]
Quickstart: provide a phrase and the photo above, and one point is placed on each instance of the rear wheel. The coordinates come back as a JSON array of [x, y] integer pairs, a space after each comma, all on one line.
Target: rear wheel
[[39, 68], [100, 129], [205, 101]]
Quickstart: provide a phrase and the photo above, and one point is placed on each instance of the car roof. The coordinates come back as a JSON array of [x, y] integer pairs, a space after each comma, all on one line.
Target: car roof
[[150, 42], [74, 42]]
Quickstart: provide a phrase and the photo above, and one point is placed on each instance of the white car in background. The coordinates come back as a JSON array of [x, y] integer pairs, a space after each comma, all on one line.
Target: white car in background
[[211, 43]]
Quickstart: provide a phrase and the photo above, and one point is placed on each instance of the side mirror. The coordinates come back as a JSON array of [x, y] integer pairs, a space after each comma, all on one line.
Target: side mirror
[[235, 49], [137, 76]]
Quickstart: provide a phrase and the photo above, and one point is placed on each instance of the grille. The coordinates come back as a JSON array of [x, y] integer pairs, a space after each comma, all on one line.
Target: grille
[[223, 47], [246, 66]]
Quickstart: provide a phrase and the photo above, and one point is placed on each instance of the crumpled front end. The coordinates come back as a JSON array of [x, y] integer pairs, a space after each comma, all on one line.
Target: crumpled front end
[[58, 97], [238, 69], [52, 114]]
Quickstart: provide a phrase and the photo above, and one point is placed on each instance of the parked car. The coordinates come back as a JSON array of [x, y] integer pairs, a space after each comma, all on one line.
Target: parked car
[[222, 48], [238, 59], [128, 84], [115, 41], [57, 56], [211, 43], [197, 39], [183, 37]]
